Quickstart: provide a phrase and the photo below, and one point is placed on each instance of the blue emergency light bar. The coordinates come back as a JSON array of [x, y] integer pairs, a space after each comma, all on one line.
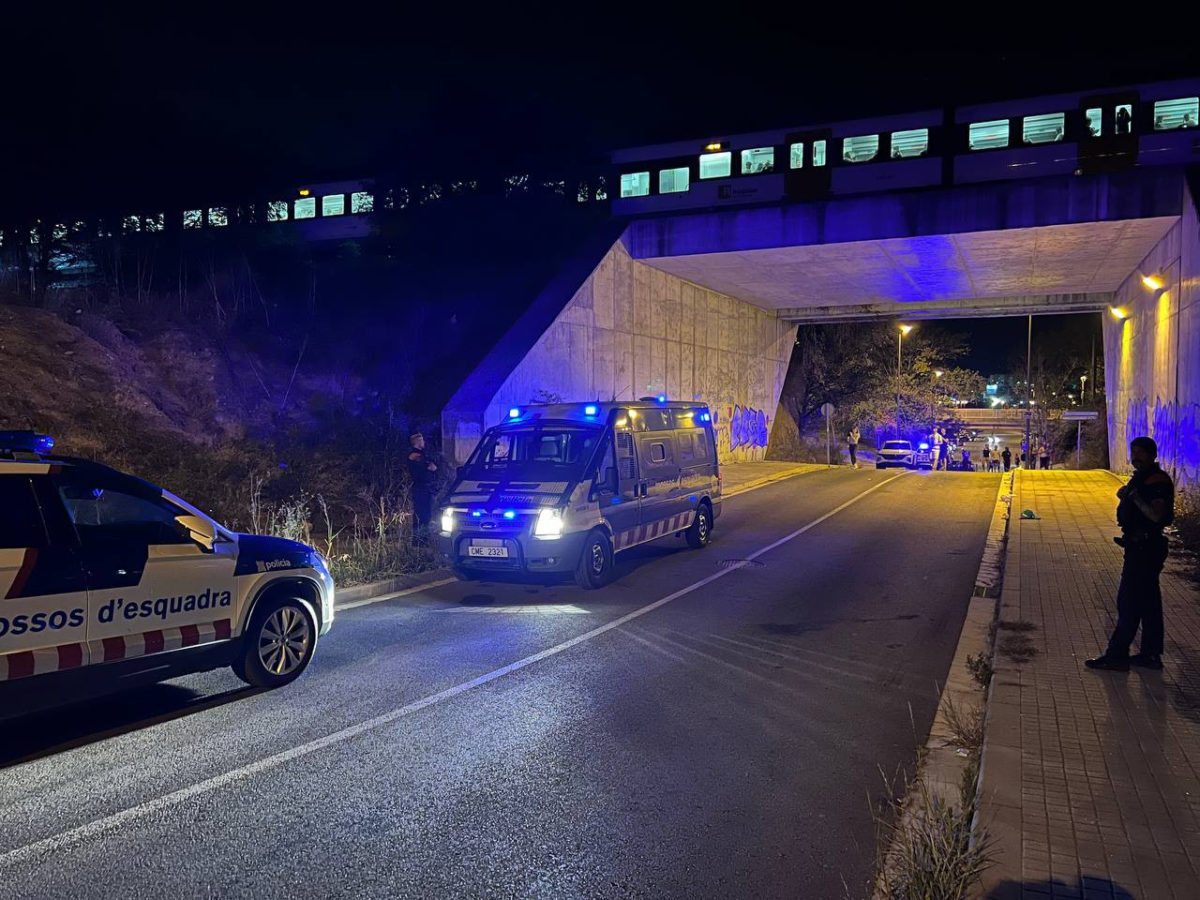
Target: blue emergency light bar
[[514, 413], [25, 442], [590, 410]]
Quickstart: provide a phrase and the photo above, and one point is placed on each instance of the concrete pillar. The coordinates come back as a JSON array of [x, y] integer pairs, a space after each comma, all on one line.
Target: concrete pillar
[[1152, 355]]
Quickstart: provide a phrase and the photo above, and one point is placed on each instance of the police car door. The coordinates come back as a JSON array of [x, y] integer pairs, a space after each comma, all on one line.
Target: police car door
[[43, 600], [151, 587]]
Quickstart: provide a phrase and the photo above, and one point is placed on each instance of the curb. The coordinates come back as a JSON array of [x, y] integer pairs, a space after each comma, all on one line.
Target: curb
[[377, 589], [800, 469], [942, 764], [373, 591]]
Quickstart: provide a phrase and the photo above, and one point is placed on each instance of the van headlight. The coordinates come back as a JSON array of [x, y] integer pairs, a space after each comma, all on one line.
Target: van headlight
[[549, 524], [447, 521]]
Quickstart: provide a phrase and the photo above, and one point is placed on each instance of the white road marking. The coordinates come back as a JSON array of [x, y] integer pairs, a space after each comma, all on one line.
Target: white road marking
[[55, 843], [555, 609], [339, 607]]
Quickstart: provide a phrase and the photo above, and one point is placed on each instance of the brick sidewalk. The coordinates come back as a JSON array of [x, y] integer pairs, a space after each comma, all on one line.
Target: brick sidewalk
[[1091, 780]]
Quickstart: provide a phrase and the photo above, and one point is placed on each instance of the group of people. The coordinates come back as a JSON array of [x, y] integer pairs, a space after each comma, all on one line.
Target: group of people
[[1003, 461]]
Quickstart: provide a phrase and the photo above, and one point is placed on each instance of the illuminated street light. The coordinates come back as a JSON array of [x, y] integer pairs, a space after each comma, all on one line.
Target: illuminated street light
[[904, 329], [1153, 282]]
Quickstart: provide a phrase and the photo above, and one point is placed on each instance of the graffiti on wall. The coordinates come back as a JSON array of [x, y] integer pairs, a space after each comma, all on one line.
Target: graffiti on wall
[[747, 428], [1174, 430]]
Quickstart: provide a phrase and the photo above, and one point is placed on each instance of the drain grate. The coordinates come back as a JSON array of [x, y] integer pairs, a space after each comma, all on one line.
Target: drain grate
[[732, 563]]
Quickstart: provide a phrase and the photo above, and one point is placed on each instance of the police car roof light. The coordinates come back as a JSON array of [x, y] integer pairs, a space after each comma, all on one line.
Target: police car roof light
[[590, 410], [514, 412], [662, 398], [25, 442]]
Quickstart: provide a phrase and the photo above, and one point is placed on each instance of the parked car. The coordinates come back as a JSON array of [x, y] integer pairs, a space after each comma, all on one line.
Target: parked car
[[896, 453]]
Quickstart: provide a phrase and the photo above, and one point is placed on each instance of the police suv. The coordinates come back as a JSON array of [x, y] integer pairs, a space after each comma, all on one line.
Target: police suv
[[107, 581], [564, 487]]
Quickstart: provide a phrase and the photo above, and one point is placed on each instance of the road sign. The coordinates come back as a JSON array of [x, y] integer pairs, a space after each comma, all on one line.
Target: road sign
[[827, 409], [1081, 415]]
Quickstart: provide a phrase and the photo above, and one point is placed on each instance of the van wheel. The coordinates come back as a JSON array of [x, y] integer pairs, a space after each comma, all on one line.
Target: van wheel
[[595, 562], [278, 644], [700, 531]]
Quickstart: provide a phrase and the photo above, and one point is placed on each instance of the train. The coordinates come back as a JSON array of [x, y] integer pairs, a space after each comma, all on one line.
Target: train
[[1060, 134]]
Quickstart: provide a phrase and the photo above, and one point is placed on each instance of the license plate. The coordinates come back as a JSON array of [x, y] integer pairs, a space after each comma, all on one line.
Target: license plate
[[491, 552]]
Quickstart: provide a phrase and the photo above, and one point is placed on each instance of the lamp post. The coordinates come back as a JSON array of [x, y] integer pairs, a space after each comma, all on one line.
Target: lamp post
[[937, 373], [903, 330], [1082, 387], [1028, 375]]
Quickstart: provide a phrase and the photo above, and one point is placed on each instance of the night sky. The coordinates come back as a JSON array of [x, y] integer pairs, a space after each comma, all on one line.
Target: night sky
[[108, 107]]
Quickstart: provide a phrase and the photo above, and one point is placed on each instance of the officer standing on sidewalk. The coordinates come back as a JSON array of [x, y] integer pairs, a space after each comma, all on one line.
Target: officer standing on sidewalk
[[1146, 506]]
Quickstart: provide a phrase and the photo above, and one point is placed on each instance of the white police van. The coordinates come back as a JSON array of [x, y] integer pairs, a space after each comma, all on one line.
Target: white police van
[[108, 581], [564, 487]]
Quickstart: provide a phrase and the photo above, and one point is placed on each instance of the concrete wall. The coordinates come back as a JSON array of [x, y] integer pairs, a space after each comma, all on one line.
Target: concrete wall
[[632, 331], [1152, 357]]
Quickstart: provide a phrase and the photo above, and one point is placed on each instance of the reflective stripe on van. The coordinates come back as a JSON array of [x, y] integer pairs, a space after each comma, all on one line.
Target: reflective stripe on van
[[652, 530]]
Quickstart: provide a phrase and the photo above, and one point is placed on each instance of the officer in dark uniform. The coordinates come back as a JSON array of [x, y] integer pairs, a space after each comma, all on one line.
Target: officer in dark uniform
[[420, 470], [1146, 506]]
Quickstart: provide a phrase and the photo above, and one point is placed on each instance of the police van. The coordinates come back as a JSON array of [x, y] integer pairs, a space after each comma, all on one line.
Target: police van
[[564, 487], [107, 581]]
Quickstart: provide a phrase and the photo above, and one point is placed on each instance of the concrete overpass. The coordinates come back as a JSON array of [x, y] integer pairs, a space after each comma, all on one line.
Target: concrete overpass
[[705, 305]]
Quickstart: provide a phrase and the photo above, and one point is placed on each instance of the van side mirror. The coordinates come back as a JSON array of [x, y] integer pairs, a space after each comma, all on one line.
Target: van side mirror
[[199, 530]]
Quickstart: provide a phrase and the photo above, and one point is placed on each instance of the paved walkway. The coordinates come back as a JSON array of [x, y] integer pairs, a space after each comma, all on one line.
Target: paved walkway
[[1091, 780]]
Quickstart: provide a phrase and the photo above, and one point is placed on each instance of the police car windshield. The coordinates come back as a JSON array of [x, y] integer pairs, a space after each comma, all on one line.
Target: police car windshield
[[897, 445], [533, 452]]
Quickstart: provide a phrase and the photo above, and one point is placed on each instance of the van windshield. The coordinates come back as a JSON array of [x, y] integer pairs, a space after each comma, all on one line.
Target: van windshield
[[533, 453]]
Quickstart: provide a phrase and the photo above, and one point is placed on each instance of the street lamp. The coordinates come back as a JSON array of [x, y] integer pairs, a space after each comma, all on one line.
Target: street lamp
[[938, 373], [904, 329], [1082, 386]]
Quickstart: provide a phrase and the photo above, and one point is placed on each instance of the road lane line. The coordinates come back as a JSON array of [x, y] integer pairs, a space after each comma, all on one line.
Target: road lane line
[[65, 839], [729, 495], [338, 607]]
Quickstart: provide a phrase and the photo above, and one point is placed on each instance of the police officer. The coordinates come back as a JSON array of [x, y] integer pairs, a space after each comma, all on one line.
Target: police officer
[[420, 470], [1145, 506]]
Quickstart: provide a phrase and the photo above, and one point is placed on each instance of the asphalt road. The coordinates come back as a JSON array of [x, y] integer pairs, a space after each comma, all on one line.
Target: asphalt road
[[722, 743]]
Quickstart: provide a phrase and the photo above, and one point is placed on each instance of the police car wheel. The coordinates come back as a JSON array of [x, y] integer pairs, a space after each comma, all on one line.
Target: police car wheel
[[700, 530], [595, 562], [278, 644]]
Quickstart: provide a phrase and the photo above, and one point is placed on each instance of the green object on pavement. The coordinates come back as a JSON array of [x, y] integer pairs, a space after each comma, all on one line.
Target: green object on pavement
[[1029, 514]]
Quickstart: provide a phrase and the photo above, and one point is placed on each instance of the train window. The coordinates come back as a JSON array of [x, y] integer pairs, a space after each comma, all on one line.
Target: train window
[[155, 223], [193, 218], [1124, 117], [362, 202], [716, 165], [218, 216], [635, 184], [1093, 119], [277, 211], [673, 181], [333, 204], [130, 224], [1044, 129], [601, 188], [761, 159], [1181, 113], [906, 144], [818, 153], [860, 149], [306, 208], [796, 156], [987, 135]]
